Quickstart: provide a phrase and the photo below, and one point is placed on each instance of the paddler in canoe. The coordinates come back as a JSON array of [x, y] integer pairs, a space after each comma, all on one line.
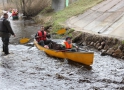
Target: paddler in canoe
[[68, 45], [65, 46], [15, 14], [41, 37]]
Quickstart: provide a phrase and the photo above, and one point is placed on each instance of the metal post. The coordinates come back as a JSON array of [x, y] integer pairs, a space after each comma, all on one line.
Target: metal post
[[67, 2], [58, 4]]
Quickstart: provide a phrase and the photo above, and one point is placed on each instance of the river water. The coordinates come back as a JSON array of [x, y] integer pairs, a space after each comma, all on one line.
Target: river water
[[27, 68]]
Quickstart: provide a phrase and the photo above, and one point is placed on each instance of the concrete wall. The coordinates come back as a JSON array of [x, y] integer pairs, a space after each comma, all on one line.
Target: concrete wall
[[58, 4]]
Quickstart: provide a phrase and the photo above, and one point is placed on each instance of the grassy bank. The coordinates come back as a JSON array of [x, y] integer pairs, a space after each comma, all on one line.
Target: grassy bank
[[57, 19], [74, 9]]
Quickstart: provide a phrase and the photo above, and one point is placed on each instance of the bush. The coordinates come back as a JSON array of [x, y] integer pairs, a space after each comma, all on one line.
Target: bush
[[36, 6], [28, 7]]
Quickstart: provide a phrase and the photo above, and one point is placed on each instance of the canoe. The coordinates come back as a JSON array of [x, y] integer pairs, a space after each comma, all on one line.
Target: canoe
[[15, 17], [80, 57]]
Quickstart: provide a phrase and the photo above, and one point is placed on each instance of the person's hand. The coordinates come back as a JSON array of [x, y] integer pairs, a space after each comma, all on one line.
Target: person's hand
[[48, 36], [77, 47], [37, 37]]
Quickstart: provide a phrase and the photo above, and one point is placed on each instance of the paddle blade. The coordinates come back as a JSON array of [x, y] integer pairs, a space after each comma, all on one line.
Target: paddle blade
[[61, 31], [24, 40]]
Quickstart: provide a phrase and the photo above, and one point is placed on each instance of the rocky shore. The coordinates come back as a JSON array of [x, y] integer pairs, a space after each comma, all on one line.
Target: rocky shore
[[106, 45]]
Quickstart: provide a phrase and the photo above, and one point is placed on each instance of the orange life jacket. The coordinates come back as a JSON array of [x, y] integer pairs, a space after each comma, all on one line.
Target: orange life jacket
[[41, 36], [67, 45]]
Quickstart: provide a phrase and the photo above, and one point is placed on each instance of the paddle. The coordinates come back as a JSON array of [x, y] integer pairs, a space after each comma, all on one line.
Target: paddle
[[78, 47], [25, 40], [63, 50], [61, 31]]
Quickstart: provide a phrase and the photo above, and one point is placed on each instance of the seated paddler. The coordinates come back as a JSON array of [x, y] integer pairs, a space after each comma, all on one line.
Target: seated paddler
[[68, 44], [42, 37]]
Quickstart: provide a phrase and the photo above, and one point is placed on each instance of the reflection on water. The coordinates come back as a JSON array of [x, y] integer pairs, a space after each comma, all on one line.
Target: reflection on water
[[23, 28]]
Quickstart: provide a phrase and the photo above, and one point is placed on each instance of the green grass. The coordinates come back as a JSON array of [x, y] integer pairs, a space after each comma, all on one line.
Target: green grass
[[123, 42], [74, 9]]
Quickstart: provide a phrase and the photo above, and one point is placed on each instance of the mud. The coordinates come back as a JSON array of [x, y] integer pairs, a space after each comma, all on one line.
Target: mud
[[27, 68]]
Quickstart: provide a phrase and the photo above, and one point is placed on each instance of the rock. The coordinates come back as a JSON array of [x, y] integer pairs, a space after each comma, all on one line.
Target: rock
[[122, 57], [103, 43], [97, 41], [94, 44], [100, 47], [117, 53], [88, 43], [97, 45], [84, 43], [103, 53], [106, 47], [120, 47], [110, 51], [91, 43]]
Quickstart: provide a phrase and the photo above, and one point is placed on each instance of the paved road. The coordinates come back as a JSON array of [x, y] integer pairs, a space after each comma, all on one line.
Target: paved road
[[107, 18]]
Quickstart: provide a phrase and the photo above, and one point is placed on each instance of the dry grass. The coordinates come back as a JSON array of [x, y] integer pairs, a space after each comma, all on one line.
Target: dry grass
[[32, 7], [7, 7]]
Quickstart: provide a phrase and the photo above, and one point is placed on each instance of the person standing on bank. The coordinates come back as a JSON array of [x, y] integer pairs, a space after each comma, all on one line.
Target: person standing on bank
[[6, 30]]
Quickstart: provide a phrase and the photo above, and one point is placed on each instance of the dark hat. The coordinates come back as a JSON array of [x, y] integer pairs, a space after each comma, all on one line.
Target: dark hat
[[68, 38]]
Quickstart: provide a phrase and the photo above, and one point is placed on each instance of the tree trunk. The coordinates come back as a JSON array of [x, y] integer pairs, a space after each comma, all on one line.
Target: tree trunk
[[23, 8], [3, 5]]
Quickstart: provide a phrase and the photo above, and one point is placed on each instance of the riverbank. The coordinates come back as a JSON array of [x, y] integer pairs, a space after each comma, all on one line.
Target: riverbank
[[106, 45], [58, 19], [100, 26]]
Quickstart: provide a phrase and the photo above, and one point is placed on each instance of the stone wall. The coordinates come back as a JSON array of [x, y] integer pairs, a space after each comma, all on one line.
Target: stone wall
[[106, 45]]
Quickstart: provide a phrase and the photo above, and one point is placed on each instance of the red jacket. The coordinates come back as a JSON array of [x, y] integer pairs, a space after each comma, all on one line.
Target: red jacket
[[41, 36]]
